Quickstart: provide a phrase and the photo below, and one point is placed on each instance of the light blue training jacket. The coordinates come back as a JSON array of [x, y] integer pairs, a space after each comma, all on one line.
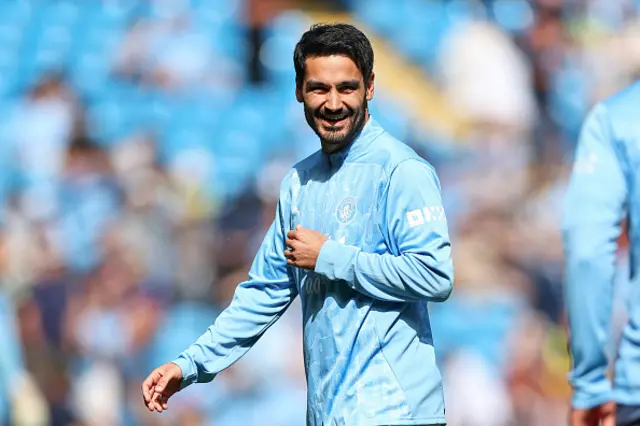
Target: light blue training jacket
[[368, 349], [603, 190]]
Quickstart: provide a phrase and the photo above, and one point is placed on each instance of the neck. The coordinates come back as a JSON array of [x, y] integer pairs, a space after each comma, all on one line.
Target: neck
[[330, 148]]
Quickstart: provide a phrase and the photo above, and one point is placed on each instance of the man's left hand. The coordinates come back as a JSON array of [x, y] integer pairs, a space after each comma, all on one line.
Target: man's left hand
[[304, 247]]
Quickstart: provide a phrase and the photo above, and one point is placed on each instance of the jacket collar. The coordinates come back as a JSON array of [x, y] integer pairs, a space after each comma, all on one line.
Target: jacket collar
[[371, 130]]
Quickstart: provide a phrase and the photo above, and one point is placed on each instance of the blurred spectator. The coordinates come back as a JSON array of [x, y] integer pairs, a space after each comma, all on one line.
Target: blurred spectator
[[479, 62], [259, 14], [20, 401], [89, 200], [41, 149], [172, 53]]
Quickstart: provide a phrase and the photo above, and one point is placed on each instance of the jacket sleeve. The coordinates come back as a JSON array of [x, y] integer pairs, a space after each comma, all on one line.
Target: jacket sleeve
[[418, 265], [257, 304], [11, 357], [594, 208]]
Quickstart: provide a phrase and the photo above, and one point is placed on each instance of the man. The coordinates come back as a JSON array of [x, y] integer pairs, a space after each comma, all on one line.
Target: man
[[602, 192], [360, 234]]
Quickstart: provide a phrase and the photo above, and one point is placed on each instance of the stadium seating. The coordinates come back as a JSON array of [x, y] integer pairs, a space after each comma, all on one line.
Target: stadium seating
[[82, 40]]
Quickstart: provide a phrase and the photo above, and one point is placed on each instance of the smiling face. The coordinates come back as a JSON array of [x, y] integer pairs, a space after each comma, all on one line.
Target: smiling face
[[335, 99]]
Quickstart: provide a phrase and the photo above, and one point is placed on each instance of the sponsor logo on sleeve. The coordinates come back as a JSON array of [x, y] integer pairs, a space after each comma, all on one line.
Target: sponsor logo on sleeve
[[426, 215]]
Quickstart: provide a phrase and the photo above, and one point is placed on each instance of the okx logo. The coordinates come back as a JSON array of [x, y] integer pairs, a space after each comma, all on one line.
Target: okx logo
[[425, 215]]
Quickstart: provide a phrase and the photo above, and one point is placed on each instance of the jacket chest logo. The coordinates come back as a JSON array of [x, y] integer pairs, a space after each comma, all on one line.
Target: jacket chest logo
[[346, 210]]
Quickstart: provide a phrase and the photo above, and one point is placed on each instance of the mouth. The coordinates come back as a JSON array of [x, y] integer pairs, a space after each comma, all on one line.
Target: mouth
[[334, 122]]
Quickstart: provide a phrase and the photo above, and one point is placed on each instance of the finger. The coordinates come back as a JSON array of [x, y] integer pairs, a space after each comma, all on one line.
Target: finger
[[164, 402], [159, 392], [149, 403], [290, 243], [156, 402], [288, 254], [291, 262], [149, 383], [293, 235], [146, 392]]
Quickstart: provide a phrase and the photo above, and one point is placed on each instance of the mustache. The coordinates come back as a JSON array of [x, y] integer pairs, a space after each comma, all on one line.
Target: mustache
[[333, 116]]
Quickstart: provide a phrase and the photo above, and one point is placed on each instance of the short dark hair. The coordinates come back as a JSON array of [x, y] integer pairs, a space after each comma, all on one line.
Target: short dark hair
[[334, 39]]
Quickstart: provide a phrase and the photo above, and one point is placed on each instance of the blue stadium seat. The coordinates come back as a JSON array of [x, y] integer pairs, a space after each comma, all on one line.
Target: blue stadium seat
[[117, 113], [9, 84], [48, 39], [276, 58], [381, 15], [464, 10], [12, 25], [184, 137], [424, 23], [89, 73], [280, 40], [158, 110], [110, 13], [58, 13], [232, 175], [514, 16], [391, 116], [229, 39], [183, 323], [228, 10], [15, 12]]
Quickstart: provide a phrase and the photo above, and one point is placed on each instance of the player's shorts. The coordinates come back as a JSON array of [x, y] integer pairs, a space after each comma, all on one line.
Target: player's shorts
[[627, 415]]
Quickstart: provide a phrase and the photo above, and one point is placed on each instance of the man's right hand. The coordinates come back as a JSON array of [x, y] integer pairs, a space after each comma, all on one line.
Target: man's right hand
[[160, 385]]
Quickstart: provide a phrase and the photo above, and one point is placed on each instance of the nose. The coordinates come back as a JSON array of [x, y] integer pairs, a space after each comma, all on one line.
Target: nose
[[333, 102]]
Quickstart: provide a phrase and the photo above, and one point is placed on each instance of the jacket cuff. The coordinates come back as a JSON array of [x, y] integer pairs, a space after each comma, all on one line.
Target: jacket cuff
[[584, 400], [189, 371], [336, 261]]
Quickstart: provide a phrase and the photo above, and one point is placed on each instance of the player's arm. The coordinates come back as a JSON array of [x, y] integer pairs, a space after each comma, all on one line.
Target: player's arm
[[415, 227], [595, 205], [257, 304], [11, 365]]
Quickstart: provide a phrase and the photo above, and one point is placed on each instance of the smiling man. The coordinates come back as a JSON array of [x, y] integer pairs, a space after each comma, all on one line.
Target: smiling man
[[361, 236]]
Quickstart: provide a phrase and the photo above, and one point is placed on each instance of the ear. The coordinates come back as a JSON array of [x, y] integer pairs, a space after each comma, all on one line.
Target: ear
[[370, 87], [299, 97]]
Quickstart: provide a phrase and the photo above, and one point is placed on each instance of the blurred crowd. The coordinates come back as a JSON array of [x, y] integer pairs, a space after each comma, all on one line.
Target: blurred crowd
[[141, 148]]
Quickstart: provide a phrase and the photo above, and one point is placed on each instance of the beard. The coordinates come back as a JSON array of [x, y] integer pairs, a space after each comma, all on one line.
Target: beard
[[334, 138]]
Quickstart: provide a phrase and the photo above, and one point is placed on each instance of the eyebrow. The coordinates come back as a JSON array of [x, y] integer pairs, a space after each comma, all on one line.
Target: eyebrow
[[314, 84], [351, 84]]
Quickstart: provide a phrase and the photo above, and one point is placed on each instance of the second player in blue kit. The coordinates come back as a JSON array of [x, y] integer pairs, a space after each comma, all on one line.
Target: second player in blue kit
[[360, 235], [602, 193]]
